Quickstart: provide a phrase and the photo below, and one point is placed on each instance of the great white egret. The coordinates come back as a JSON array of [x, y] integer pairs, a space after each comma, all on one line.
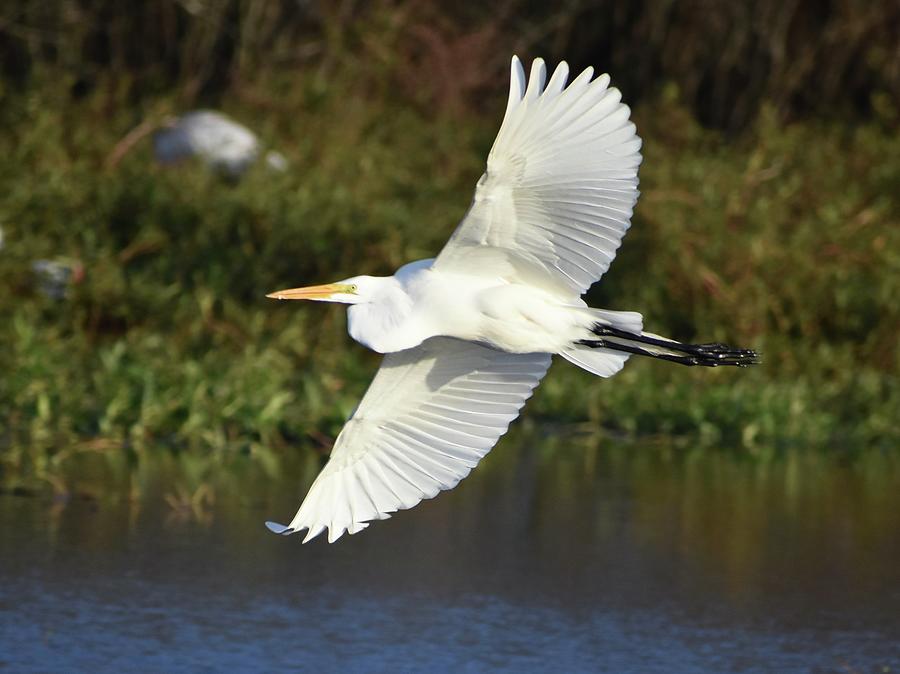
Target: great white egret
[[223, 144], [469, 334]]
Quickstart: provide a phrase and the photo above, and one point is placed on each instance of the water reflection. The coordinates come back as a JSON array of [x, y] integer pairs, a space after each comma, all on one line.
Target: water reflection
[[563, 555]]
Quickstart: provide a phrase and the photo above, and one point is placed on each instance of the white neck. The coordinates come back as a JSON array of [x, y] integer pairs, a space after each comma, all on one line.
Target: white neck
[[379, 322]]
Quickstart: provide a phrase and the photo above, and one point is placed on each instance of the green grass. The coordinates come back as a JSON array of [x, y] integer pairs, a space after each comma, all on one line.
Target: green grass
[[785, 239]]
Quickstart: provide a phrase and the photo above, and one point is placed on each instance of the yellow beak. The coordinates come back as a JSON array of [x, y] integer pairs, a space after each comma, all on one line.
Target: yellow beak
[[309, 292]]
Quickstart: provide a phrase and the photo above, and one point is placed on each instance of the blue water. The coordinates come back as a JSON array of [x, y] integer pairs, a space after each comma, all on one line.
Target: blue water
[[535, 564]]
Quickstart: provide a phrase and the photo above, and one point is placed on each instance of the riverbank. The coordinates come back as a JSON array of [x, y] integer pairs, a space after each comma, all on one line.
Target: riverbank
[[784, 239]]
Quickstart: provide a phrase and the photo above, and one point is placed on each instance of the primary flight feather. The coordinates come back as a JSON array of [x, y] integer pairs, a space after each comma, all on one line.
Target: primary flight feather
[[468, 335]]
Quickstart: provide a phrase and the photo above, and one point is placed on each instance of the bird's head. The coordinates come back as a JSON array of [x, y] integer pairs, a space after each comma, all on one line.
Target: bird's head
[[356, 290]]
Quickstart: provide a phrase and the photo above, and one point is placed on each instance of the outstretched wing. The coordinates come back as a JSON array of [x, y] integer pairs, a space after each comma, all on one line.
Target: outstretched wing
[[430, 414], [560, 185]]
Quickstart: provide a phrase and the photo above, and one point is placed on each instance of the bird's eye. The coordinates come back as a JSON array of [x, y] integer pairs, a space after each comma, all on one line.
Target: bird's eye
[[353, 287]]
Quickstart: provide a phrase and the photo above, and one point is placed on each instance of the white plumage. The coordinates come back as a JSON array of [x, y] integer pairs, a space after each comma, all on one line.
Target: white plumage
[[430, 414], [223, 144], [470, 334], [560, 185]]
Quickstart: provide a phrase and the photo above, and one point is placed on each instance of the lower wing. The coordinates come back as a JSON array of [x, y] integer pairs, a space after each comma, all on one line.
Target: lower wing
[[430, 414]]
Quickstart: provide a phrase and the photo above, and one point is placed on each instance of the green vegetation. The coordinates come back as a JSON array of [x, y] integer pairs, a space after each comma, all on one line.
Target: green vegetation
[[784, 238]]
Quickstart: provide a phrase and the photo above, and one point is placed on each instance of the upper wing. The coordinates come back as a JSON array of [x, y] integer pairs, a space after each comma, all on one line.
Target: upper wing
[[430, 414], [560, 185]]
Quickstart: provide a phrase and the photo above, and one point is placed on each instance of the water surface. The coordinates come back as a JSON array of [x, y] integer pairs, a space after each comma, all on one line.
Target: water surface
[[558, 556]]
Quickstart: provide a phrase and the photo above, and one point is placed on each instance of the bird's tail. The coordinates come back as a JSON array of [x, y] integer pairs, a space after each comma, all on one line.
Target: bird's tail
[[601, 360], [615, 335]]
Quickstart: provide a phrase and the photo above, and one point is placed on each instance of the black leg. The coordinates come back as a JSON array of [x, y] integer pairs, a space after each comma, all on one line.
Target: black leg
[[627, 348], [710, 355]]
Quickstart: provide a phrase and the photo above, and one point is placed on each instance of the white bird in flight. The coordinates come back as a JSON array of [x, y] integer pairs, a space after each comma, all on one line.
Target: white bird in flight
[[225, 145], [468, 335]]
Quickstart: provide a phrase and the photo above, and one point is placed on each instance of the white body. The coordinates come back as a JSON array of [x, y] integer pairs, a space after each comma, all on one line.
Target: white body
[[425, 303], [470, 334]]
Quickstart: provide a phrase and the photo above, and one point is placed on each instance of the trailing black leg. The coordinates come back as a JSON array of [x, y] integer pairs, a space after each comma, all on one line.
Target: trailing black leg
[[709, 355]]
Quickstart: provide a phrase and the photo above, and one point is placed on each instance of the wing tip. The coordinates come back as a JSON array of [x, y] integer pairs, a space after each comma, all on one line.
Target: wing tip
[[517, 70], [517, 83], [334, 532], [536, 79], [280, 529]]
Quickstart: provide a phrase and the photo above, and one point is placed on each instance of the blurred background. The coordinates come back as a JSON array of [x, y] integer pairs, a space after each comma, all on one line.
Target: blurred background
[[145, 374]]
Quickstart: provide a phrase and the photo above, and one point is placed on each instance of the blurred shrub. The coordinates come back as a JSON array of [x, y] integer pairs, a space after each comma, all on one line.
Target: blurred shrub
[[785, 238], [831, 57]]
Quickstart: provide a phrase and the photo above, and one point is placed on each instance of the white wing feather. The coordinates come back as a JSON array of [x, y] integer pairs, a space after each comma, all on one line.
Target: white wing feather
[[560, 185], [430, 414]]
